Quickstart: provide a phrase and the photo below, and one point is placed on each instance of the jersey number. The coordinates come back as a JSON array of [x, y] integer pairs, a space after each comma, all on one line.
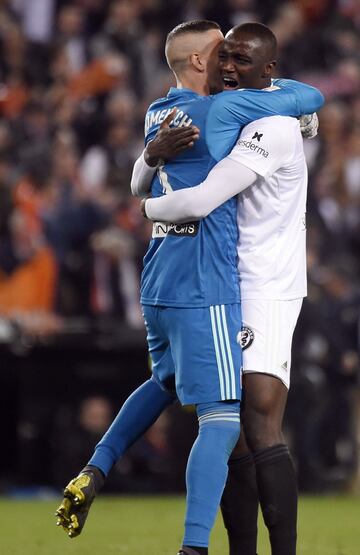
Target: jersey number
[[164, 180]]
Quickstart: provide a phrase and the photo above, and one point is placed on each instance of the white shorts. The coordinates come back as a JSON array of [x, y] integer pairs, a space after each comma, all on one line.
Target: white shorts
[[266, 336]]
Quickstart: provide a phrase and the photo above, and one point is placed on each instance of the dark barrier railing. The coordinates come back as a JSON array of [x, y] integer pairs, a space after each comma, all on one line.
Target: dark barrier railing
[[59, 395]]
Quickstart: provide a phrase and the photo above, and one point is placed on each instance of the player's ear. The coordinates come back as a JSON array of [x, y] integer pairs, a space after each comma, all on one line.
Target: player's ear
[[197, 62], [269, 69]]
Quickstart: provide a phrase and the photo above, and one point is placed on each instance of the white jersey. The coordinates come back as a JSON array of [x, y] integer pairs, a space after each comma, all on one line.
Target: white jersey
[[271, 212], [267, 167]]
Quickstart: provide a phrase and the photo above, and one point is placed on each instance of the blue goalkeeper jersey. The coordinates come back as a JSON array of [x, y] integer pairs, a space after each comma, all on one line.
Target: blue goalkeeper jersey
[[195, 264]]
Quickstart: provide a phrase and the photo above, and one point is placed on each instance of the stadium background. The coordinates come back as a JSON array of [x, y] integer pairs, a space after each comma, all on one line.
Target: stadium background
[[75, 80]]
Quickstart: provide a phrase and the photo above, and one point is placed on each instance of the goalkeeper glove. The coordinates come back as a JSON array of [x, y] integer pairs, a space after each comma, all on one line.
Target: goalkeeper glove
[[309, 125]]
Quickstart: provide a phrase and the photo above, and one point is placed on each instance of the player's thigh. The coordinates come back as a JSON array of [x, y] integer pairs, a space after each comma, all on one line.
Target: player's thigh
[[206, 353], [266, 337], [162, 363], [264, 399]]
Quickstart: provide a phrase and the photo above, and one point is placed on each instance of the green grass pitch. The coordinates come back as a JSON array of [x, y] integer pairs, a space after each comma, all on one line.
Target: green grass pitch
[[153, 525]]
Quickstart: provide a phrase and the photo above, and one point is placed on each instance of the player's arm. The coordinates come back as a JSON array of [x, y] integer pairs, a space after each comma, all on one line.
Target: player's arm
[[227, 179], [167, 143], [231, 110], [142, 176], [309, 99], [232, 175]]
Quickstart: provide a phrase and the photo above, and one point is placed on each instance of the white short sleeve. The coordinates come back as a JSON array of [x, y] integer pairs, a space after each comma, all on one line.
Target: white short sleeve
[[266, 144]]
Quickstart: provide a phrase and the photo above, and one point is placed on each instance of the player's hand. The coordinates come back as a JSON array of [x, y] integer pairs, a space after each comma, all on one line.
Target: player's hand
[[170, 141], [309, 125]]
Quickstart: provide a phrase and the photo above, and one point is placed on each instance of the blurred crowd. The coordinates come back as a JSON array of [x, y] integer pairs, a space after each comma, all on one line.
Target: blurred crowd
[[76, 78]]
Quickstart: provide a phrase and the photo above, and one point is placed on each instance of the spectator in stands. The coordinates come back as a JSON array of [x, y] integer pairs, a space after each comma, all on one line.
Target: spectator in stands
[[74, 84]]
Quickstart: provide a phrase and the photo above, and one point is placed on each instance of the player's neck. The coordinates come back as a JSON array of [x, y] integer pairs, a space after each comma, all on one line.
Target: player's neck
[[266, 84], [259, 83], [196, 84]]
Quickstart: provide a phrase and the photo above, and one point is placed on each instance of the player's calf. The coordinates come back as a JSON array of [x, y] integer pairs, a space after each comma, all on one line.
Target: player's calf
[[78, 497]]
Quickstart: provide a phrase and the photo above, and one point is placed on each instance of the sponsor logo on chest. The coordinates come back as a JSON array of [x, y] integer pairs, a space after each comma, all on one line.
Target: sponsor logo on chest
[[162, 229], [254, 146]]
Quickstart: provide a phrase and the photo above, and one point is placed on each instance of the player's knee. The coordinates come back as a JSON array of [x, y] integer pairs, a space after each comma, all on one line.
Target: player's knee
[[262, 403], [221, 419], [264, 394], [261, 431], [224, 434], [232, 432]]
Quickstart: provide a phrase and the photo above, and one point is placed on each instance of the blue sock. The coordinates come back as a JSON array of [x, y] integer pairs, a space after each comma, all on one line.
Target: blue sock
[[219, 428], [136, 415]]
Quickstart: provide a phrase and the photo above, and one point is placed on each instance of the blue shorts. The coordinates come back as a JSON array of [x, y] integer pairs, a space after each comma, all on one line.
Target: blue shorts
[[195, 352]]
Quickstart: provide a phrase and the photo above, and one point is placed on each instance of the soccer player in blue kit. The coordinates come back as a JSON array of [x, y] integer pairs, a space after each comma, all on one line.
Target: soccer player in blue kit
[[190, 291]]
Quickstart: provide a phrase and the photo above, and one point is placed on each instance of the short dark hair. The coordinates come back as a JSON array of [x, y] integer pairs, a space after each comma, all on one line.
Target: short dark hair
[[195, 26], [259, 31]]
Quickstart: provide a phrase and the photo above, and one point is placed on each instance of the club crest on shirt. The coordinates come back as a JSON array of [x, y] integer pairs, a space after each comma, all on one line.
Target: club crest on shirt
[[245, 337]]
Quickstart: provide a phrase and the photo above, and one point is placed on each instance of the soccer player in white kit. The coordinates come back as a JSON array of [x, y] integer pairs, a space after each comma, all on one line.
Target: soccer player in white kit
[[267, 166], [267, 170]]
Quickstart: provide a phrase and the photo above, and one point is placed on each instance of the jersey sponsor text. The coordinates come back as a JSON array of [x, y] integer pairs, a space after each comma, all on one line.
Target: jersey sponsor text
[[253, 146], [161, 229]]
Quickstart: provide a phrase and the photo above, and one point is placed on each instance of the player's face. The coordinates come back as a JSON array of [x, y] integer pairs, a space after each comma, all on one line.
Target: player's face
[[214, 77], [242, 63]]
